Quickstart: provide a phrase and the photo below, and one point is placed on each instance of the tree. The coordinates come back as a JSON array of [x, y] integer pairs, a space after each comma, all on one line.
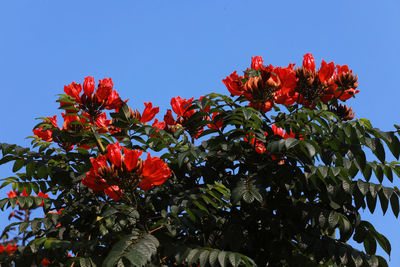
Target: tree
[[274, 175]]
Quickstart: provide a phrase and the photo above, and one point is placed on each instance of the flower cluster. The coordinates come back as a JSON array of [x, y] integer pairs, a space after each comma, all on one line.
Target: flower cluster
[[82, 110], [183, 108], [264, 86], [94, 100], [113, 172], [9, 248]]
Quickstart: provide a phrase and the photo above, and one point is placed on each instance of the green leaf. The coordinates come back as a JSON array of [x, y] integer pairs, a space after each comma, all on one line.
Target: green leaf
[[23, 226], [193, 256], [363, 187], [383, 242], [222, 258], [238, 192], [248, 196], [35, 225], [291, 142], [370, 245], [138, 249], [384, 201], [309, 147], [182, 157], [18, 164], [394, 203], [234, 259], [124, 110], [256, 195], [366, 123], [247, 112], [203, 258], [213, 257], [379, 151], [371, 202], [333, 219]]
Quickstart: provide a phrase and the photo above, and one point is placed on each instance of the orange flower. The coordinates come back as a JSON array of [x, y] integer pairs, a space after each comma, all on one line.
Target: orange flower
[[149, 112], [113, 192], [308, 61], [234, 84], [180, 106], [10, 249], [73, 90], [155, 172], [215, 124], [256, 62], [131, 158], [326, 71], [45, 262], [114, 154], [88, 86]]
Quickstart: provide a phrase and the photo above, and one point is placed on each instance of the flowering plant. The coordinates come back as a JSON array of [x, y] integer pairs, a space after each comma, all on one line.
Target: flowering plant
[[264, 177]]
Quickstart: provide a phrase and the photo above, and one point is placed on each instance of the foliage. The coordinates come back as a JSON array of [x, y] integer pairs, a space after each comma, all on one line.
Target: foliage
[[274, 175]]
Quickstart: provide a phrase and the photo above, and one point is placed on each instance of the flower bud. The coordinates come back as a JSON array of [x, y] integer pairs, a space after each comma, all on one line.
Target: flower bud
[[88, 86], [308, 61], [256, 62]]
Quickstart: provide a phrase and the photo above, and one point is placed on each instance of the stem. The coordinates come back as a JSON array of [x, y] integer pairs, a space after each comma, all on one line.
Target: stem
[[27, 213], [158, 228], [98, 141]]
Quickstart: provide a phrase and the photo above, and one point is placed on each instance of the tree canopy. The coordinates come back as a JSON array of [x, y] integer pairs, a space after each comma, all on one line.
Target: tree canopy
[[275, 174]]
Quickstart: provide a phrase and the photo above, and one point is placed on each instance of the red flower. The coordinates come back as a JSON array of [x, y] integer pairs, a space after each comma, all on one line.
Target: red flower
[[168, 118], [288, 79], [159, 124], [73, 90], [215, 124], [114, 101], [94, 182], [285, 99], [180, 107], [145, 184], [24, 193], [308, 61], [53, 120], [234, 84], [113, 192], [277, 130], [349, 93], [259, 145], [326, 71], [12, 194], [342, 69], [44, 135], [99, 162], [149, 112], [155, 171], [256, 62], [262, 106], [88, 85], [45, 262], [102, 122], [104, 89], [131, 158], [10, 249], [114, 154]]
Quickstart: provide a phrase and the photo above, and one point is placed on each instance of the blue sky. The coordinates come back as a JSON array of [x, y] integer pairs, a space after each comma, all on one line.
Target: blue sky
[[155, 50]]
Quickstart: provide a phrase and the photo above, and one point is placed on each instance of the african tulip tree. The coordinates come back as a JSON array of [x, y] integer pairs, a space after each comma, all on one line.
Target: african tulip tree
[[275, 174]]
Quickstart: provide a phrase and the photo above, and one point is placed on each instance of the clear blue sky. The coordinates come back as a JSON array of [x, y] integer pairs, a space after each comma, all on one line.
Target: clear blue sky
[[154, 50]]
